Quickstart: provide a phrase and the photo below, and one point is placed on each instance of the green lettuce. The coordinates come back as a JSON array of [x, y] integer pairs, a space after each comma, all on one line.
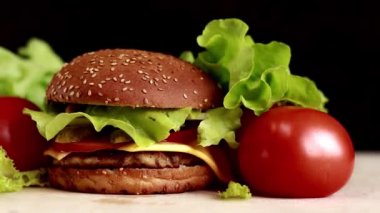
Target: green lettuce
[[235, 190], [219, 123], [28, 73], [254, 75], [13, 180], [144, 126]]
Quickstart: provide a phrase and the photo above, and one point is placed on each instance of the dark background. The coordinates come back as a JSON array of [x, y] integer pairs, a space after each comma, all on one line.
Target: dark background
[[334, 43]]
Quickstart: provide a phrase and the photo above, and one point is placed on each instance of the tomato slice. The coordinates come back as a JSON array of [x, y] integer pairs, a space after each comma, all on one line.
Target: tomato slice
[[186, 136], [183, 136], [85, 146]]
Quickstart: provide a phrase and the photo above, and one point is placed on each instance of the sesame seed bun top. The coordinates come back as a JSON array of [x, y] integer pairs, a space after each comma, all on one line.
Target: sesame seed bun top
[[135, 78]]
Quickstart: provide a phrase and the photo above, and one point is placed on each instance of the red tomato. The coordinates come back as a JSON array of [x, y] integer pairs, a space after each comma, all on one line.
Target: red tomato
[[183, 136], [294, 152], [19, 135], [85, 146]]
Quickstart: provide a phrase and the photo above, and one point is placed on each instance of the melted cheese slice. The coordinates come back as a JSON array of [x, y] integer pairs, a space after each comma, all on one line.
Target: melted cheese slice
[[214, 157]]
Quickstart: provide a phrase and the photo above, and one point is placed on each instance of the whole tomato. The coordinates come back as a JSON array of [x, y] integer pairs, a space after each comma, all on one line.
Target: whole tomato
[[19, 136], [294, 152]]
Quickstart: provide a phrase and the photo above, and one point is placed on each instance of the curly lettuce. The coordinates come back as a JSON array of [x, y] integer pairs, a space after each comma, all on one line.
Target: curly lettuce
[[13, 180], [28, 73], [236, 190], [145, 126], [254, 75]]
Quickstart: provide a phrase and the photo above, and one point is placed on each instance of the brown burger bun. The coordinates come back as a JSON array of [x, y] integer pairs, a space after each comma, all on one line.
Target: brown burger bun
[[135, 78], [132, 78], [131, 180]]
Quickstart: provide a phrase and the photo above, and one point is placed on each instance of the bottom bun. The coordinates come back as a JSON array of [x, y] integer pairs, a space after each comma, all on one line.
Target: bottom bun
[[131, 180]]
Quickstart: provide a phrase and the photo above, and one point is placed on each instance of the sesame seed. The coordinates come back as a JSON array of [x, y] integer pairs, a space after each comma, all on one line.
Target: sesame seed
[[84, 81], [156, 79], [91, 83], [100, 86], [114, 79], [72, 93], [122, 80], [151, 81], [168, 77], [144, 91], [113, 64], [140, 71], [185, 96], [63, 83], [125, 89], [100, 94], [121, 75], [195, 92], [202, 78], [116, 99], [160, 89], [127, 82], [93, 75], [205, 100], [108, 79], [164, 76], [76, 87], [146, 101], [175, 79], [131, 89], [65, 89], [165, 81], [89, 93], [132, 62], [146, 76], [112, 68], [103, 82], [104, 172], [71, 87], [125, 63], [78, 94]]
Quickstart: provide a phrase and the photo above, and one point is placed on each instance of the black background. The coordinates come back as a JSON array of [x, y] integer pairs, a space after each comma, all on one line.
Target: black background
[[334, 43]]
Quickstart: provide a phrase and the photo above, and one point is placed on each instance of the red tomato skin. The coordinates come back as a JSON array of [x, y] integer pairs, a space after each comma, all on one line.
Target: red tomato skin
[[19, 136], [295, 152]]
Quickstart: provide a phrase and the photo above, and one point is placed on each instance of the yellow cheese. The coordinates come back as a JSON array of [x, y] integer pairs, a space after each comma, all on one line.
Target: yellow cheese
[[212, 156]]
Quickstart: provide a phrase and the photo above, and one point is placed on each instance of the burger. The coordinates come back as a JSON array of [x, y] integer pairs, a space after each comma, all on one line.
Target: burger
[[127, 121]]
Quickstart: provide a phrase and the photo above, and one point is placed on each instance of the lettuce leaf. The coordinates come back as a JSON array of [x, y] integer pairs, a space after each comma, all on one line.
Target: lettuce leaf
[[254, 75], [235, 190], [28, 73], [144, 126], [220, 123], [13, 180]]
